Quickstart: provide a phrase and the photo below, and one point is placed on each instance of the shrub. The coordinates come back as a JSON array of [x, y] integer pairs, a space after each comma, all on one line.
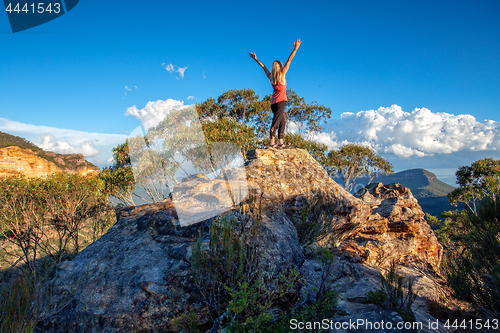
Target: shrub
[[186, 322], [20, 303], [226, 261], [316, 221], [472, 263], [375, 297], [47, 216], [400, 295], [394, 294]]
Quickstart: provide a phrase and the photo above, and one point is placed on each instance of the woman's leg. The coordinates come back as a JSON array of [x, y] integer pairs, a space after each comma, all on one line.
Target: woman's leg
[[274, 125], [281, 123]]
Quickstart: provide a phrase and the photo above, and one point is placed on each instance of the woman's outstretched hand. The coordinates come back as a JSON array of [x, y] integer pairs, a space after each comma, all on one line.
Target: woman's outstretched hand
[[296, 44], [253, 56]]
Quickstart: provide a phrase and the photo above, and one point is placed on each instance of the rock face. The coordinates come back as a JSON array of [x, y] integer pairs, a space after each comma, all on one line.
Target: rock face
[[17, 161], [396, 230], [138, 277]]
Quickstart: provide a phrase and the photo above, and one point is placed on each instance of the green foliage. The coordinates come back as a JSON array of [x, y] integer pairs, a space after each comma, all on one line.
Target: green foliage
[[228, 131], [119, 183], [21, 305], [452, 227], [45, 216], [352, 161], [245, 107], [324, 307], [221, 264], [225, 266], [119, 179], [395, 294], [307, 117], [242, 106], [316, 221], [472, 260], [186, 322], [317, 150], [7, 140], [325, 255], [253, 309], [377, 297], [479, 180]]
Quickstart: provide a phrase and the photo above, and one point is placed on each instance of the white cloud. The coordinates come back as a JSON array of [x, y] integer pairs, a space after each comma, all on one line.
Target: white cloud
[[181, 71], [170, 68], [95, 147], [127, 88], [190, 97], [49, 143], [154, 112], [418, 133]]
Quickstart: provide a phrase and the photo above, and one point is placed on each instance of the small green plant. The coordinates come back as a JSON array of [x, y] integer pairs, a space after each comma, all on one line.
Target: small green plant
[[400, 295], [394, 294], [316, 221], [187, 322], [225, 261], [21, 305], [248, 308], [324, 307], [327, 256], [377, 297]]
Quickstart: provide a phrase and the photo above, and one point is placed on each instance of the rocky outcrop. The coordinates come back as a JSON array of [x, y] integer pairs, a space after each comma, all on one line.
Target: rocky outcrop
[[395, 231], [138, 277], [17, 161]]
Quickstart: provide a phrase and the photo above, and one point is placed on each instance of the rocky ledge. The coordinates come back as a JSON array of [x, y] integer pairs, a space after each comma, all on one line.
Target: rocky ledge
[[138, 277]]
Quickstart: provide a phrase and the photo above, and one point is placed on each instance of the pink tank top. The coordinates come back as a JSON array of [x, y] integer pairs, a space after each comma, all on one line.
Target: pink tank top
[[279, 93]]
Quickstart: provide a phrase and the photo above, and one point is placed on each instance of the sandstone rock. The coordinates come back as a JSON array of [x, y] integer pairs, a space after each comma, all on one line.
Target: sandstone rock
[[16, 161], [292, 178], [396, 230], [354, 280]]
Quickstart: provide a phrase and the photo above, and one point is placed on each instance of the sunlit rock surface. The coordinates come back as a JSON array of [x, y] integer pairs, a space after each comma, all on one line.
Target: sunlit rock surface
[[17, 161]]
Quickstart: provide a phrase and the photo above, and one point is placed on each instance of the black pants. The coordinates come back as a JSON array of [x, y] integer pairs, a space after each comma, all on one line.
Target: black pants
[[279, 121]]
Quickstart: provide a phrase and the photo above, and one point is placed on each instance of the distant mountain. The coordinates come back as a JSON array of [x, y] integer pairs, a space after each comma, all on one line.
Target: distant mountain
[[19, 156], [424, 185]]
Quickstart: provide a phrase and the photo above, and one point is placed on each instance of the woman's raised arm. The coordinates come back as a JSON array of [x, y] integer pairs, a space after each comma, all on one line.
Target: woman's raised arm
[[254, 57], [296, 45]]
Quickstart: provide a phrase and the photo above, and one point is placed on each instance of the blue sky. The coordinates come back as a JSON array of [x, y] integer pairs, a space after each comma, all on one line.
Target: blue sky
[[62, 84]]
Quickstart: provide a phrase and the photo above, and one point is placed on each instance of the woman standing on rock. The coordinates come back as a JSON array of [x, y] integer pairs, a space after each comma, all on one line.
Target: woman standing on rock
[[278, 101]]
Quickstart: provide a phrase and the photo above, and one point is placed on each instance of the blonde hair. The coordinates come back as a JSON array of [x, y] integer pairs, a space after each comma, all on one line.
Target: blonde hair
[[276, 74]]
